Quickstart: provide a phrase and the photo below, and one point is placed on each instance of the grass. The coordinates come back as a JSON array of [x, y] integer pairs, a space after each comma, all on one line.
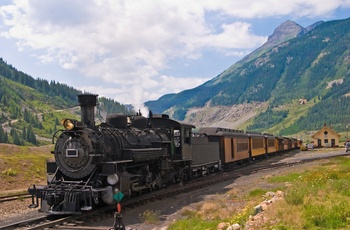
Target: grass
[[317, 198], [21, 166], [320, 198], [194, 224], [9, 172], [150, 217], [295, 112]]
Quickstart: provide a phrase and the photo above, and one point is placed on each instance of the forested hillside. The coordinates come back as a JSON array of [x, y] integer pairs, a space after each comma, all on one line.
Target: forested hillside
[[31, 109], [313, 66]]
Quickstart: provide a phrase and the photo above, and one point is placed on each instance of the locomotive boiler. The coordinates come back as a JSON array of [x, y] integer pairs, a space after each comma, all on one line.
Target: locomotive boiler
[[101, 164]]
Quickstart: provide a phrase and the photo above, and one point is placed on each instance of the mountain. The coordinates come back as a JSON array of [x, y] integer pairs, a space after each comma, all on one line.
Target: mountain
[[262, 91], [286, 31], [32, 108]]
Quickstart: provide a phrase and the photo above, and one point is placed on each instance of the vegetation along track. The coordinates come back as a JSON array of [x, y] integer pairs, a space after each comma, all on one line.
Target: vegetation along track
[[82, 221]]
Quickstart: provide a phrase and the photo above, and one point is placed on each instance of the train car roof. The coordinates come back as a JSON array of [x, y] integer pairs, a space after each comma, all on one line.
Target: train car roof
[[217, 131], [166, 122], [268, 135], [254, 134]]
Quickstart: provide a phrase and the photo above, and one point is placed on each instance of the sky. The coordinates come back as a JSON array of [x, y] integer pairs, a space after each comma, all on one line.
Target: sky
[[136, 51]]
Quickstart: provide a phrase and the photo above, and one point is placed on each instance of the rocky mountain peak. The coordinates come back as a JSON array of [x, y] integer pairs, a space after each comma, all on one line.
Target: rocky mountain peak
[[287, 30], [284, 32]]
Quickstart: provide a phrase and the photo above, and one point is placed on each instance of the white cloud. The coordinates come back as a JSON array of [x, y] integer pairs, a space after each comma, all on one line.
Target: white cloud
[[234, 36], [150, 89], [128, 43]]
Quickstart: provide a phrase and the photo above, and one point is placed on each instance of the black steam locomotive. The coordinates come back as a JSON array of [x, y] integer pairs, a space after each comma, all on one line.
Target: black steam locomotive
[[127, 155], [101, 164]]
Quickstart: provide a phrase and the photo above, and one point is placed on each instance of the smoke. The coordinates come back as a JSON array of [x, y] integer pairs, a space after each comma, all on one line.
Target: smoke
[[138, 97]]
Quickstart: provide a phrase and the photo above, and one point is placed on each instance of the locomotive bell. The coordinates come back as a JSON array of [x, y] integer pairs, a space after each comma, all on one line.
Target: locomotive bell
[[67, 123], [70, 124]]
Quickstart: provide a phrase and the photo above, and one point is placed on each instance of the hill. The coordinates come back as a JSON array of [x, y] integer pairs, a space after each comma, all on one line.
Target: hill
[[265, 87], [32, 108]]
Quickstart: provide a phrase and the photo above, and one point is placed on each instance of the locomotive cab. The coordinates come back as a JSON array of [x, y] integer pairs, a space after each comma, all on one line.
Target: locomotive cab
[[181, 136]]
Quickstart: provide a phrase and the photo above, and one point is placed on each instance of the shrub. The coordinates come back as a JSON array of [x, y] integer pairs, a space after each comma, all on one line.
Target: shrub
[[9, 172]]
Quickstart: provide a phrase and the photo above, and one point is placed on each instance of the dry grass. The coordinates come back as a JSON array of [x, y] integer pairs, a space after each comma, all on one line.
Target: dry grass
[[150, 217], [21, 166], [218, 208], [282, 219]]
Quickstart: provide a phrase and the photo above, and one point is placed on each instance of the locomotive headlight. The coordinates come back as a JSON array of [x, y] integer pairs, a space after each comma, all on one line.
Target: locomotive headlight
[[68, 123], [112, 179]]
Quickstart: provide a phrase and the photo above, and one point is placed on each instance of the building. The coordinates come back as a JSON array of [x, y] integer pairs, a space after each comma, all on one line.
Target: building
[[326, 137]]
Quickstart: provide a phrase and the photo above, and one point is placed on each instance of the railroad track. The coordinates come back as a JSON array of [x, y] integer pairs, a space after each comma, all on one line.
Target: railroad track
[[81, 222], [13, 197]]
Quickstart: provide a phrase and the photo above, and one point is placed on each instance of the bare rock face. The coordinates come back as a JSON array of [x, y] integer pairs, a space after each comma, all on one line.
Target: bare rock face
[[223, 116], [287, 30]]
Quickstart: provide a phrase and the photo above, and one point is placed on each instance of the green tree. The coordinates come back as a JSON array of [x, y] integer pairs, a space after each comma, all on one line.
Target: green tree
[[2, 135], [24, 133], [31, 136], [16, 138]]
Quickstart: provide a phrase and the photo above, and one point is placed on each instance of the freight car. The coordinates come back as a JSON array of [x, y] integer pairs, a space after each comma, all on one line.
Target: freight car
[[127, 155]]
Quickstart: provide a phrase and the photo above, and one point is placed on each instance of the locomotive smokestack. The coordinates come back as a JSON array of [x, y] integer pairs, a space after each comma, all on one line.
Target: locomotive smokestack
[[87, 104]]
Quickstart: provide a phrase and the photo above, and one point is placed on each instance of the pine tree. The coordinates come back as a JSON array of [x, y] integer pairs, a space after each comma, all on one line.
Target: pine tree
[[2, 135], [24, 133], [16, 138], [31, 135]]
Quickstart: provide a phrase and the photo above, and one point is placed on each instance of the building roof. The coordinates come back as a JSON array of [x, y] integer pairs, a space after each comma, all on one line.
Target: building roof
[[325, 128]]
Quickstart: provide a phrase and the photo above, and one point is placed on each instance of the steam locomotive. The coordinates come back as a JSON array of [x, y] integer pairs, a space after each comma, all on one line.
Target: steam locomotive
[[126, 155]]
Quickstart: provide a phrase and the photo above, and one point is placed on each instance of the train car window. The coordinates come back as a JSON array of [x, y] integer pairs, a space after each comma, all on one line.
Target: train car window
[[258, 143], [177, 141], [242, 145], [270, 142], [176, 133]]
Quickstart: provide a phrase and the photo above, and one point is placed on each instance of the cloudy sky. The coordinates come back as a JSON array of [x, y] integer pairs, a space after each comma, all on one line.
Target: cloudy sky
[[135, 51]]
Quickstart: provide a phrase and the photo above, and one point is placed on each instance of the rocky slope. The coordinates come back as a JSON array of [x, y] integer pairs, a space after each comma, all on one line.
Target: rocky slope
[[224, 116]]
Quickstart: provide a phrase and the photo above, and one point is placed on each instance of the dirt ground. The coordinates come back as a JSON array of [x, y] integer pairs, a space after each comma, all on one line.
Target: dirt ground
[[170, 209]]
